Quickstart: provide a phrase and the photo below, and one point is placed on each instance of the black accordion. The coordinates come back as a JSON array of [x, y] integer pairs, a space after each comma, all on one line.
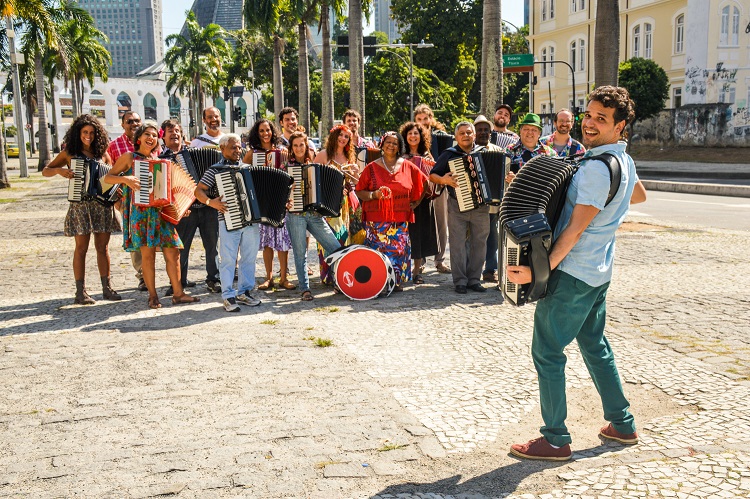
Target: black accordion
[[317, 187], [254, 194], [529, 213], [480, 177], [440, 142], [195, 161], [87, 184], [503, 140]]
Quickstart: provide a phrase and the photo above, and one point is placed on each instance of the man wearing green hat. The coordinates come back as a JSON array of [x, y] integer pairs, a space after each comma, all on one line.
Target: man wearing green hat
[[530, 131]]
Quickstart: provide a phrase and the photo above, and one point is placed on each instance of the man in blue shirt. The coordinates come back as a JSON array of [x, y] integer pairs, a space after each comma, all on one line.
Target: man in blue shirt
[[575, 305]]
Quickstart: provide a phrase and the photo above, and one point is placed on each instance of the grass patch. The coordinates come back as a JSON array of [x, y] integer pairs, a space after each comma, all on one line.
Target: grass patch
[[270, 322], [326, 310], [323, 464], [319, 342], [389, 446], [7, 200], [309, 328], [309, 338]]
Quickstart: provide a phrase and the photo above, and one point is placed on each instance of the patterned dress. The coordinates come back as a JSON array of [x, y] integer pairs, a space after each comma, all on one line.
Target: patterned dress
[[276, 238], [143, 226], [89, 216]]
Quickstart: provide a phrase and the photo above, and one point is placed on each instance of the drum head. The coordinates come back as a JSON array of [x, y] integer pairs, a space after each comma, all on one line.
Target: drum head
[[361, 273]]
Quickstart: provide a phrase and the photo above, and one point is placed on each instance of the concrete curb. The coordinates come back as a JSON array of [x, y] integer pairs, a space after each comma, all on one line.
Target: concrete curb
[[742, 191]]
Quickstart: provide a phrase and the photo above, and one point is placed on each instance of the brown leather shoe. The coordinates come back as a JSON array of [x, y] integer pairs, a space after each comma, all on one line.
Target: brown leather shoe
[[610, 433], [541, 450], [489, 277]]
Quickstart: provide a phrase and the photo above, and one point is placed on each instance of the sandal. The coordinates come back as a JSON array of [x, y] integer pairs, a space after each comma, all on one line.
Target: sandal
[[418, 279], [307, 296], [184, 298], [267, 284], [287, 285], [154, 302]]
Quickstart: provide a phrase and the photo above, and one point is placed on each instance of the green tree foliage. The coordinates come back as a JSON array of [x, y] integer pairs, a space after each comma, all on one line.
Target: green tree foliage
[[648, 85]]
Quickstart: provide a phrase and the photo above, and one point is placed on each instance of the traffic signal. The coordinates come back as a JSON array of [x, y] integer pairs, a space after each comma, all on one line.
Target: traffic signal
[[192, 122], [52, 129], [226, 94], [237, 113]]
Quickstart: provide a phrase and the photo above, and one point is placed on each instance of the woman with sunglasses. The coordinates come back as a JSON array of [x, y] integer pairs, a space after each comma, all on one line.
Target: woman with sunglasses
[[390, 188], [143, 228]]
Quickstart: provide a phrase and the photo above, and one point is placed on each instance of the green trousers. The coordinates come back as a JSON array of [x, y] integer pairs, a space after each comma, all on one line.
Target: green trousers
[[573, 310]]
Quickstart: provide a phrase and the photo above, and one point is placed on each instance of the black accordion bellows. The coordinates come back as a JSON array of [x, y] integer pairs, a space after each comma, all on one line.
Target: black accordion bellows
[[442, 141], [529, 212], [196, 161], [317, 187]]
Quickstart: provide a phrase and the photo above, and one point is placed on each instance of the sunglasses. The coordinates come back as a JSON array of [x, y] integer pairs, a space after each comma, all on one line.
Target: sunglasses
[[132, 122]]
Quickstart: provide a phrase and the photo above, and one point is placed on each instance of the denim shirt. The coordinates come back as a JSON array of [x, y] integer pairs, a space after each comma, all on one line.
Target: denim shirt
[[592, 257]]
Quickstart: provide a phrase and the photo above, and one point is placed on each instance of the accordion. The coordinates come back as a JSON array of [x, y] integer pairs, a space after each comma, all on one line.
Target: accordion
[[163, 185], [529, 212], [504, 140], [255, 194], [425, 165], [196, 161], [366, 156], [480, 177], [273, 158], [87, 184], [441, 142], [317, 187]]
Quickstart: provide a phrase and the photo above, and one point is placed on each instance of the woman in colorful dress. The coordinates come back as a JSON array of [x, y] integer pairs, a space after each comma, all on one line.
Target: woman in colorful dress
[[265, 137], [390, 189], [310, 220], [87, 138], [339, 152], [144, 229], [423, 231]]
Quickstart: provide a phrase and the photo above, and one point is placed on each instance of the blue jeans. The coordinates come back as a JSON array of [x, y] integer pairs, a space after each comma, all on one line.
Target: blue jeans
[[244, 241], [490, 259], [298, 224]]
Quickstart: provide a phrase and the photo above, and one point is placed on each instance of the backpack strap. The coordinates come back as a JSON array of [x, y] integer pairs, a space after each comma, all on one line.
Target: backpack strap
[[615, 173]]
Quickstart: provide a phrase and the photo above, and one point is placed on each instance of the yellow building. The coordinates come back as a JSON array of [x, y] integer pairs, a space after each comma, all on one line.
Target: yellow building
[[563, 31]]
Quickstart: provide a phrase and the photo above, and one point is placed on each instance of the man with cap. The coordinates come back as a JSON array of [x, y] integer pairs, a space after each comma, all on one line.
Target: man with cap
[[560, 140], [483, 128], [501, 136], [530, 131]]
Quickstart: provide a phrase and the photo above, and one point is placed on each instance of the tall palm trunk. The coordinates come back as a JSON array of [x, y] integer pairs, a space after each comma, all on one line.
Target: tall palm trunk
[[356, 61], [491, 80], [74, 97], [607, 42], [303, 78], [53, 103], [44, 140], [4, 184], [326, 114], [278, 80], [30, 122]]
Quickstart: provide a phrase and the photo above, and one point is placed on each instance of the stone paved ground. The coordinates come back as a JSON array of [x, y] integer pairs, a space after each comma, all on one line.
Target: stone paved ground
[[419, 395]]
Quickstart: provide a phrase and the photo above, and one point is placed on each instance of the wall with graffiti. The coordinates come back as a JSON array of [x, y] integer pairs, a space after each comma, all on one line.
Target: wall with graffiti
[[699, 125]]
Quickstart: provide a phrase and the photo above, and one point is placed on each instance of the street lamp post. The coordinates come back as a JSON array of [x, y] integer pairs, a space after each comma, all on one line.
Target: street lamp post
[[573, 74], [411, 46], [17, 114]]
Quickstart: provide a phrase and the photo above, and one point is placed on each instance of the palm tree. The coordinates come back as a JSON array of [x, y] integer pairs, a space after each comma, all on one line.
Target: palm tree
[[327, 111], [491, 80], [356, 60], [202, 54], [22, 11], [607, 42], [87, 58], [265, 16]]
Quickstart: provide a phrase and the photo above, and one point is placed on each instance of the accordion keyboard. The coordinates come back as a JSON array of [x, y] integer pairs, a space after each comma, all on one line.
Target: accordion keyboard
[[464, 189], [228, 192], [142, 171], [298, 194], [76, 184]]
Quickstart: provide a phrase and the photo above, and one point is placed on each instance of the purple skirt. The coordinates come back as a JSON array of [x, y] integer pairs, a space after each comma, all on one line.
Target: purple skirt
[[276, 238]]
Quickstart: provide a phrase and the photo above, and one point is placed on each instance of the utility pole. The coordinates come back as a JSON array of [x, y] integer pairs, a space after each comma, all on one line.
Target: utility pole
[[15, 60]]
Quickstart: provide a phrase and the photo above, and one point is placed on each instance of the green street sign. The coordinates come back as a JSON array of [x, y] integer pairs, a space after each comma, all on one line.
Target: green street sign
[[518, 63]]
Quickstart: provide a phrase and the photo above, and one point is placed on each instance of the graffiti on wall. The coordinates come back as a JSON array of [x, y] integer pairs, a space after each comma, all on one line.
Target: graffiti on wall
[[719, 85]]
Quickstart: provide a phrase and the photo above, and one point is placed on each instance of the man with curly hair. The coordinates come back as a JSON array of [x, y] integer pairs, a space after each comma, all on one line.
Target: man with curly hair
[[575, 305]]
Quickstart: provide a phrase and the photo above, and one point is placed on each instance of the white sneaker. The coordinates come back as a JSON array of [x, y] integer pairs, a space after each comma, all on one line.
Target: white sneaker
[[230, 305], [247, 299]]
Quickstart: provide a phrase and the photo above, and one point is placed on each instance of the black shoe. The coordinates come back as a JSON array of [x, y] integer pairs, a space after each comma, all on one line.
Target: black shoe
[[477, 287], [142, 285], [169, 291], [188, 284], [213, 286], [461, 289]]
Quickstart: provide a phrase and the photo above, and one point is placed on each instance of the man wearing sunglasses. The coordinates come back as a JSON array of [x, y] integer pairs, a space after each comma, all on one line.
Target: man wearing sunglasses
[[124, 143]]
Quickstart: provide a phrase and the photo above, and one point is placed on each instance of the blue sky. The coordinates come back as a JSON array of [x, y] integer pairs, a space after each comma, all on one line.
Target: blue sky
[[174, 14]]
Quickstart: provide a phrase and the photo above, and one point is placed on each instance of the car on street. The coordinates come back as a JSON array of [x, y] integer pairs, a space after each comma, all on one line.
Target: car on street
[[12, 150], [316, 141]]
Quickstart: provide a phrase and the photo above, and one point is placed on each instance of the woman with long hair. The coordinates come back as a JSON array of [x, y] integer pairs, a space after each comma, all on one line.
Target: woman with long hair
[[339, 152], [310, 220], [87, 138], [265, 137], [390, 188], [423, 231], [144, 229]]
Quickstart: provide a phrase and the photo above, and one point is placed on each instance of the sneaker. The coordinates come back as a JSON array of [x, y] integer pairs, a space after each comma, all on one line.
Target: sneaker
[[142, 285], [610, 433], [230, 305], [247, 299], [213, 286], [541, 450], [188, 284]]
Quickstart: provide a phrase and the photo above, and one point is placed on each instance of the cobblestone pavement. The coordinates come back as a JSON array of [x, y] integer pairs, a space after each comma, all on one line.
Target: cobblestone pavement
[[419, 395]]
